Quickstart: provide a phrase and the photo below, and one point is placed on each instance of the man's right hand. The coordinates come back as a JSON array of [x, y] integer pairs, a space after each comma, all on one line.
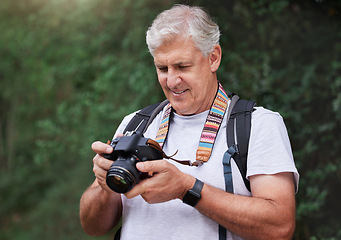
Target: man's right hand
[[101, 164]]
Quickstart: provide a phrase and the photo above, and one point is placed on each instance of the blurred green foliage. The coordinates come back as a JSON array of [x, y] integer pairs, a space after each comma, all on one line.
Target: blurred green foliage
[[70, 70]]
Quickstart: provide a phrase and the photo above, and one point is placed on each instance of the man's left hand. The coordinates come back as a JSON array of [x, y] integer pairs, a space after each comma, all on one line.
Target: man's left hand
[[167, 183]]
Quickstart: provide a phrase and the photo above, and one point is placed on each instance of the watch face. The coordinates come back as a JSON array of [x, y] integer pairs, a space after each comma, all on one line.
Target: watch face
[[191, 199], [193, 195]]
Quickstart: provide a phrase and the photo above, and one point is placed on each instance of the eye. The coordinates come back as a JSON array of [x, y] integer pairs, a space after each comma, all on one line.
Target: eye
[[163, 69], [183, 67]]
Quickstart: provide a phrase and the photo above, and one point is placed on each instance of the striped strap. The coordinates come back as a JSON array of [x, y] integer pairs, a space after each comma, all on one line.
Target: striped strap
[[211, 128], [163, 129], [212, 125]]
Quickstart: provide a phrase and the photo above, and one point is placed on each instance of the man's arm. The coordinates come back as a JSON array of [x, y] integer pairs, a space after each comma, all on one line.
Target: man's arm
[[100, 210], [268, 214], [100, 207]]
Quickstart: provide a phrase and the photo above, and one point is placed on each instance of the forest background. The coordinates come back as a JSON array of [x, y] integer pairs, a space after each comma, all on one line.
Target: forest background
[[71, 69]]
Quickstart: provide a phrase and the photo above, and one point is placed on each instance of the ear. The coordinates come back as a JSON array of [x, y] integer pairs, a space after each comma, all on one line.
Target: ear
[[215, 58]]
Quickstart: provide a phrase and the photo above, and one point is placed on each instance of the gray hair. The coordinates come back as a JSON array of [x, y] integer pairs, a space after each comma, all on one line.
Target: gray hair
[[187, 21]]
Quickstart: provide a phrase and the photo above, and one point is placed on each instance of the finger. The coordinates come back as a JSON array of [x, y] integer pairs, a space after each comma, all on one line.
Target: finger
[[102, 183], [137, 190], [100, 148], [101, 165], [102, 162], [100, 175], [152, 166]]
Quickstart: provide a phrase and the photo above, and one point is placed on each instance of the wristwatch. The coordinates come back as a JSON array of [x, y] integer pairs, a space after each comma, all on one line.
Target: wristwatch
[[193, 195]]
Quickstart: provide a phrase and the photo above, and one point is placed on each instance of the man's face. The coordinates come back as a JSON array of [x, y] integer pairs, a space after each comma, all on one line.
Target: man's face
[[187, 78]]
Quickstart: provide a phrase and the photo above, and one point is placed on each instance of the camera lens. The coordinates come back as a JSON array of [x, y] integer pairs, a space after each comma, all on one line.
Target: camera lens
[[123, 174]]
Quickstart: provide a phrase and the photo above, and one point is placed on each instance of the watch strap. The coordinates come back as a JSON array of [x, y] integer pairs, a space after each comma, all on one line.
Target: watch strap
[[193, 195]]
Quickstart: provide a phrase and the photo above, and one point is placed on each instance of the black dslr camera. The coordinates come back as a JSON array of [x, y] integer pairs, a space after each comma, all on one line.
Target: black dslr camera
[[127, 151]]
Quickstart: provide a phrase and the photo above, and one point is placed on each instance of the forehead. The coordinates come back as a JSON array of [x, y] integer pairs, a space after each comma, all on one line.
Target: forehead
[[179, 50]]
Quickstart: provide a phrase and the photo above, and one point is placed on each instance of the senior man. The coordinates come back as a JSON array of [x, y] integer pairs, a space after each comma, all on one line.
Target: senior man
[[184, 42]]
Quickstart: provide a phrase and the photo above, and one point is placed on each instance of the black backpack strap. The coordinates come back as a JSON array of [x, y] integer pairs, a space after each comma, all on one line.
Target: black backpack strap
[[238, 132], [144, 117], [118, 234]]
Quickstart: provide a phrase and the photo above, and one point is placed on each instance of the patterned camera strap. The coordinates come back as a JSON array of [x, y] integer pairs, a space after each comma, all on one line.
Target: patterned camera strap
[[210, 130]]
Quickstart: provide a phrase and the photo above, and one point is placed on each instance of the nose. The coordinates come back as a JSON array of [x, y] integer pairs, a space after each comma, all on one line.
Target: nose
[[173, 78]]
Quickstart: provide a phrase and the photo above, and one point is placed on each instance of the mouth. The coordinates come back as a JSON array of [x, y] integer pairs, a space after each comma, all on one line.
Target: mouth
[[178, 92]]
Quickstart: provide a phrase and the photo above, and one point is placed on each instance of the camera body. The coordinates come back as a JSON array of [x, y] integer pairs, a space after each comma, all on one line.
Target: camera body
[[127, 151]]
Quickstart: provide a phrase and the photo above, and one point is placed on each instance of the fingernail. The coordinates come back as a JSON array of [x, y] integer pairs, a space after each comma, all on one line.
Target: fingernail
[[140, 166], [109, 150]]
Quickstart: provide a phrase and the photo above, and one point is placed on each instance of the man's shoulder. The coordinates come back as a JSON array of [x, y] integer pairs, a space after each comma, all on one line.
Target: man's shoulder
[[261, 112]]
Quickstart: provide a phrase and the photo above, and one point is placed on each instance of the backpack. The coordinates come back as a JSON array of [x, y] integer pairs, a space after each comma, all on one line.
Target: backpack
[[237, 129]]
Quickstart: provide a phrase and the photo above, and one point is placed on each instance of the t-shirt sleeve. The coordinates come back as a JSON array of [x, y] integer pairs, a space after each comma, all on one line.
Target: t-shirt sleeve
[[269, 147]]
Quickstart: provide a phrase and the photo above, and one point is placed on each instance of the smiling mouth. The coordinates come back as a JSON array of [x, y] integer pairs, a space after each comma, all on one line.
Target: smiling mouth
[[179, 92]]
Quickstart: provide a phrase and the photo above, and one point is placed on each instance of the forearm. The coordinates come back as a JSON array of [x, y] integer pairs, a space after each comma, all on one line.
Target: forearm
[[248, 217], [100, 210], [268, 214]]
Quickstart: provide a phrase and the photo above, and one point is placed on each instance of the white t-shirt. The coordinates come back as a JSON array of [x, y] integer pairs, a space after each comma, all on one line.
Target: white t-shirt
[[269, 153]]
